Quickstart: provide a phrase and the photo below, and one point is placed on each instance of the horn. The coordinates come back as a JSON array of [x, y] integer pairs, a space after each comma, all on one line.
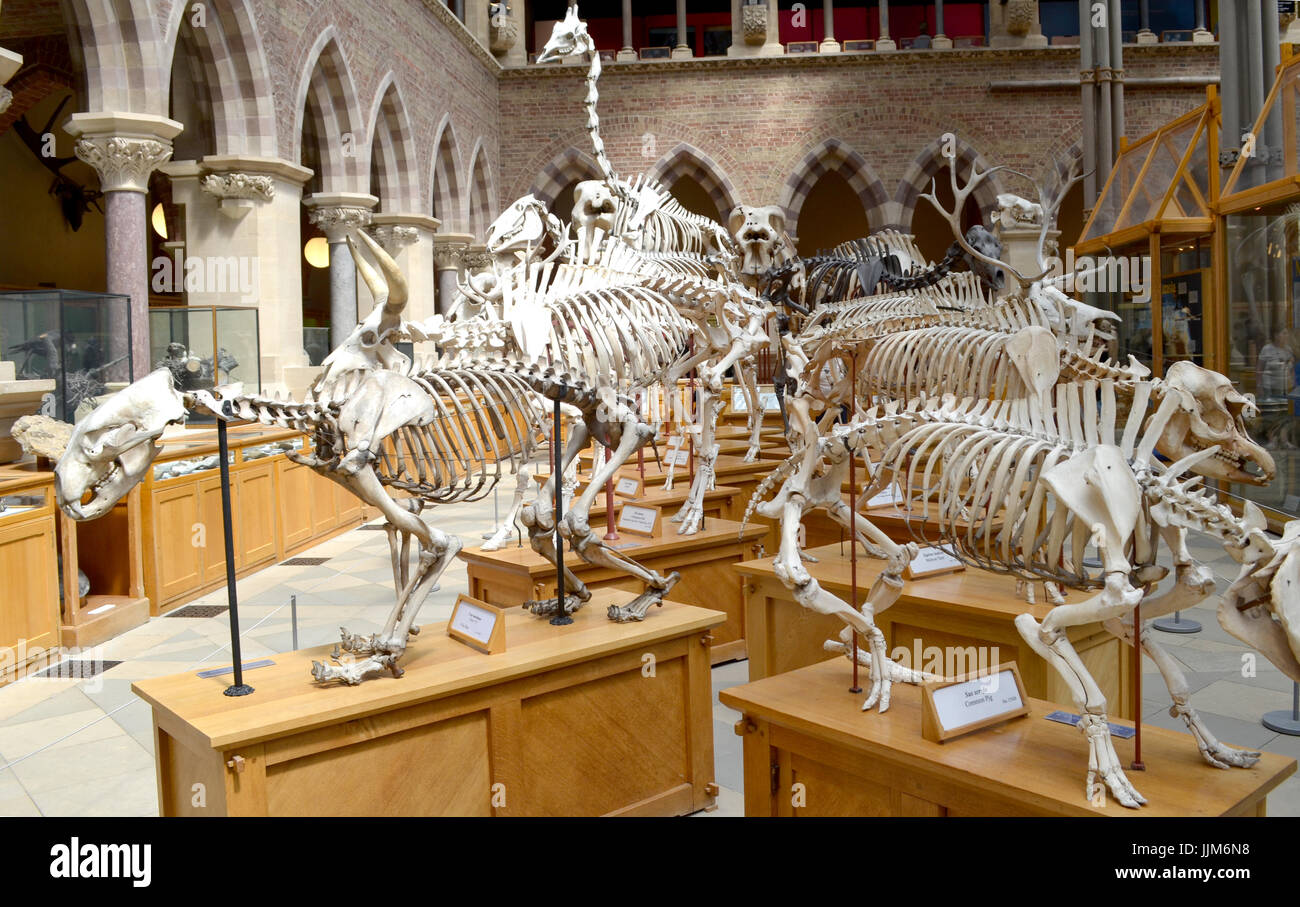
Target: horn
[[398, 291]]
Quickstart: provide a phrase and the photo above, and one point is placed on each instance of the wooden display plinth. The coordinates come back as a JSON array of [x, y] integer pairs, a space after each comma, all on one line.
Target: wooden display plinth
[[29, 565], [805, 728], [566, 721], [720, 503], [705, 560], [953, 612]]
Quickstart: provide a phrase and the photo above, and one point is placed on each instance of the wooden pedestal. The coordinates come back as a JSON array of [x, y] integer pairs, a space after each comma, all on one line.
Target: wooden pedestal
[[804, 728], [705, 561], [596, 718], [954, 612], [29, 566], [719, 504]]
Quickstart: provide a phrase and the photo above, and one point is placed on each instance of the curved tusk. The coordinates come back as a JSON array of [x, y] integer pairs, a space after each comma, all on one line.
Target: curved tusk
[[373, 281]]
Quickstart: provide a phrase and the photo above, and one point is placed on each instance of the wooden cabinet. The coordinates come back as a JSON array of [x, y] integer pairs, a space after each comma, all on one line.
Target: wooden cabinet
[[29, 608], [277, 508]]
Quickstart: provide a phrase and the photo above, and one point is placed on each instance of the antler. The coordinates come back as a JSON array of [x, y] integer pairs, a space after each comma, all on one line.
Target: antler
[[960, 194]]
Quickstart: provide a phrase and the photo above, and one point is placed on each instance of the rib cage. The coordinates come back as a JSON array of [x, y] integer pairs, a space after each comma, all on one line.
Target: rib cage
[[482, 422]]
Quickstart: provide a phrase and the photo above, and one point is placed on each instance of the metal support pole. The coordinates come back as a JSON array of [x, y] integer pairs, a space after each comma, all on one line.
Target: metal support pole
[[853, 549], [1176, 624], [1137, 764], [610, 534], [293, 620], [561, 619], [238, 688], [1285, 722]]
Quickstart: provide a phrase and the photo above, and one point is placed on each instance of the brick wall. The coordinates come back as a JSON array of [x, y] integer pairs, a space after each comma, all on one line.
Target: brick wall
[[757, 119]]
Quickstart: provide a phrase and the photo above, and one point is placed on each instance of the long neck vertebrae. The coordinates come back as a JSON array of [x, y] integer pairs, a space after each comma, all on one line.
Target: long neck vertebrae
[[593, 119]]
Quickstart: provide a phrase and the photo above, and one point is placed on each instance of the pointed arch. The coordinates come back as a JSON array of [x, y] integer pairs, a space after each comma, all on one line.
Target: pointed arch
[[444, 176], [834, 156], [328, 129], [685, 160], [480, 196], [121, 55], [931, 161], [569, 166], [224, 56], [393, 176]]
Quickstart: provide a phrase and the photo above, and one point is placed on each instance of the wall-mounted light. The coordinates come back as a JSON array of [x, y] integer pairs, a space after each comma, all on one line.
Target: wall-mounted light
[[317, 252], [159, 220]]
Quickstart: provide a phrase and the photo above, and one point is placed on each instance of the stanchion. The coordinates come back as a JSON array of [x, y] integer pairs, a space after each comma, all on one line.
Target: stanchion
[[1285, 722], [1137, 765], [853, 548], [1176, 624], [238, 688], [560, 619]]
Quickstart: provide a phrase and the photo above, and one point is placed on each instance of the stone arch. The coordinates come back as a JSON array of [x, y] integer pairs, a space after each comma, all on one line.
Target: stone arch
[[930, 161], [834, 156], [329, 130], [393, 175], [227, 63], [120, 51], [444, 176], [687, 160], [479, 198], [566, 168]]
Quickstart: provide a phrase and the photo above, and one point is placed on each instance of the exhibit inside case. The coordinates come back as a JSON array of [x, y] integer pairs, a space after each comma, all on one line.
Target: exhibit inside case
[[80, 340], [204, 346]]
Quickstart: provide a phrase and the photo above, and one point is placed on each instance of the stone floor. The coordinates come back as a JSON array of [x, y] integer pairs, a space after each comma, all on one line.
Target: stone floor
[[83, 747]]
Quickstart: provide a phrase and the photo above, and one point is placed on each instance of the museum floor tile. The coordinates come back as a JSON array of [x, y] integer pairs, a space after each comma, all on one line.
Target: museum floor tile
[[73, 747]]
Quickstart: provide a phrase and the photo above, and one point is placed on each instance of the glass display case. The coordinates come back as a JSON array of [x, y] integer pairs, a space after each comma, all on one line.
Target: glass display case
[[205, 346], [80, 340], [316, 344]]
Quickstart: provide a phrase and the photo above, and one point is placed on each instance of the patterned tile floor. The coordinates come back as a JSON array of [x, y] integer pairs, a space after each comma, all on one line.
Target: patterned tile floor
[[84, 746]]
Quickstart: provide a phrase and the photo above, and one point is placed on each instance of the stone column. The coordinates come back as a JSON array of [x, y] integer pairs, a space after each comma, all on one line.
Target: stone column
[[10, 63], [504, 30], [941, 41], [1202, 35], [682, 50], [124, 149], [884, 42], [1016, 24], [829, 45], [246, 209], [1145, 35], [338, 214], [755, 29], [448, 254], [627, 53], [409, 239]]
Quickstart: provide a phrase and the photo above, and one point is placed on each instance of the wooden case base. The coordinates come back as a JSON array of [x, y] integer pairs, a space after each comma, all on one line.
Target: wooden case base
[[596, 718]]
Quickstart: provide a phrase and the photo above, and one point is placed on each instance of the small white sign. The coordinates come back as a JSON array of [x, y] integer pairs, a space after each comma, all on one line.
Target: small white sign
[[475, 622], [977, 700], [769, 402], [935, 559], [891, 495], [627, 487], [738, 402], [680, 457], [638, 519]]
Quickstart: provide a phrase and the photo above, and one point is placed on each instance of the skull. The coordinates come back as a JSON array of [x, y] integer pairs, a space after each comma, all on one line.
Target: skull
[[593, 207], [521, 227], [1072, 318], [112, 448], [759, 231], [568, 37], [1213, 412]]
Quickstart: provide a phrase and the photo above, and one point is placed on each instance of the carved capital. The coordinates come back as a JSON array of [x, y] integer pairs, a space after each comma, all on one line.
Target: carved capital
[[476, 258], [234, 184], [394, 237], [123, 164], [753, 24], [449, 255], [337, 221], [503, 28]]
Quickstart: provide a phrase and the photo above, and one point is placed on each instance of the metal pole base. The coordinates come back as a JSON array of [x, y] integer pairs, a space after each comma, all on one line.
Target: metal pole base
[[561, 620], [1176, 624], [1283, 721], [238, 689]]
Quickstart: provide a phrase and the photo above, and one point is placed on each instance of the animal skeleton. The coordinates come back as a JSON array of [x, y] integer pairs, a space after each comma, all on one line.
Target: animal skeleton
[[440, 434]]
